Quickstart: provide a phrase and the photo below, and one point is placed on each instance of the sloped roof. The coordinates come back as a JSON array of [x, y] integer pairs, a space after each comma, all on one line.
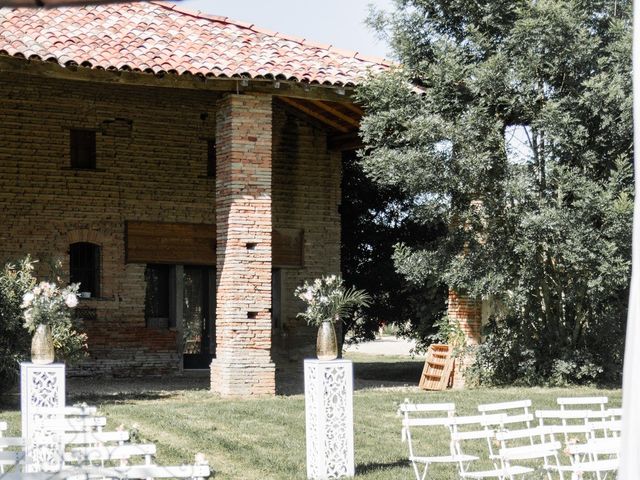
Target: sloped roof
[[159, 37]]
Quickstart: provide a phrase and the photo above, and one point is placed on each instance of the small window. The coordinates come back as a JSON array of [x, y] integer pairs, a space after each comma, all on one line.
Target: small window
[[84, 266], [157, 305], [83, 149], [211, 158]]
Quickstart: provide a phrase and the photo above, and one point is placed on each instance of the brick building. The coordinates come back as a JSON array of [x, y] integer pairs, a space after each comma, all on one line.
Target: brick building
[[185, 169]]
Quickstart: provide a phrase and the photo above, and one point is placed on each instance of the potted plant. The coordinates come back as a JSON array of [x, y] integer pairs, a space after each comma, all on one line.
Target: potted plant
[[328, 301], [43, 307]]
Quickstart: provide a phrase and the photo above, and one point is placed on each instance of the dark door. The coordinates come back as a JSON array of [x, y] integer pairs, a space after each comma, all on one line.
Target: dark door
[[198, 315]]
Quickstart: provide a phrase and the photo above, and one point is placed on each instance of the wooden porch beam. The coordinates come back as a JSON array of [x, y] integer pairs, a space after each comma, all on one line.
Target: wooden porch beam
[[336, 113], [317, 115]]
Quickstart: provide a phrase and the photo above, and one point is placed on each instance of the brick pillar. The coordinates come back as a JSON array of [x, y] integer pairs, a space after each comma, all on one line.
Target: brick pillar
[[468, 312], [243, 363]]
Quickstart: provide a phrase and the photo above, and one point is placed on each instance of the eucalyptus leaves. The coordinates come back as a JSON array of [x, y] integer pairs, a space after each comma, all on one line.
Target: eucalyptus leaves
[[327, 298]]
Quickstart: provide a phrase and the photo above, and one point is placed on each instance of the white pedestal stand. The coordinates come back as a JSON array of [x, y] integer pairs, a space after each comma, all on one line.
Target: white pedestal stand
[[328, 398], [42, 397]]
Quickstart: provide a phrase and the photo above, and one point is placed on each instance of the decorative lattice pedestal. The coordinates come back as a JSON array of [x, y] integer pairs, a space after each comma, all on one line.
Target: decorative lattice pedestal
[[42, 396], [328, 394]]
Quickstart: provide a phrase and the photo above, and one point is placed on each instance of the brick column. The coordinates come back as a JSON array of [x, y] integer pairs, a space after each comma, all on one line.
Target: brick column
[[468, 312], [243, 363]]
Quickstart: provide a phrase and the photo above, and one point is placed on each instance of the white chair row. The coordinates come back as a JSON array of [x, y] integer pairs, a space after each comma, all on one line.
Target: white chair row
[[194, 472], [514, 443], [92, 452]]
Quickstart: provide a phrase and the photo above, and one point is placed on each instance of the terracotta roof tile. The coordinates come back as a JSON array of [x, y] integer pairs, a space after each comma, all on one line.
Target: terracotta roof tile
[[161, 37]]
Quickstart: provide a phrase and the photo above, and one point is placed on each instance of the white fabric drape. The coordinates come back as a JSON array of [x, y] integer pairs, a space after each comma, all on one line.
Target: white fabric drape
[[630, 454]]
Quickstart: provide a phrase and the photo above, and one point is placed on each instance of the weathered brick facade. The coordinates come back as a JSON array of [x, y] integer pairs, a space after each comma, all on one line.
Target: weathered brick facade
[[467, 311], [273, 170]]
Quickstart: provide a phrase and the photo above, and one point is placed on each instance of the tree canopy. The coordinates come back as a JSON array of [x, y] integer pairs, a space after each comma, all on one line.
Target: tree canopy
[[509, 121]]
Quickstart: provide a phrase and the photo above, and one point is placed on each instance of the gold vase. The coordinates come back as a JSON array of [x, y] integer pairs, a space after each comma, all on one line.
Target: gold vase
[[327, 343], [42, 351]]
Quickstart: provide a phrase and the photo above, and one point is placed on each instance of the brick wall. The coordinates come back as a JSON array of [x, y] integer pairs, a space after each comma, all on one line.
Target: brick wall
[[306, 195], [468, 312], [154, 171]]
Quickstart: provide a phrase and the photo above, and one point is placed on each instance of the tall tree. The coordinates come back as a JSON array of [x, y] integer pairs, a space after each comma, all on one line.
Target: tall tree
[[510, 121], [374, 219]]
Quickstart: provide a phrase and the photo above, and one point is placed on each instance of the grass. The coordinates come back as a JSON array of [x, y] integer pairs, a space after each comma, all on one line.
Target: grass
[[265, 438]]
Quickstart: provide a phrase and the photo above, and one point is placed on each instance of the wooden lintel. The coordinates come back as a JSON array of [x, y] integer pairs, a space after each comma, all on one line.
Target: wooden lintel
[[290, 89], [336, 113], [312, 113], [347, 141]]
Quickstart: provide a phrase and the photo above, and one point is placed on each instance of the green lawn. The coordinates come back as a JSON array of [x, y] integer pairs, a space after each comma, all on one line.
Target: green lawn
[[264, 438]]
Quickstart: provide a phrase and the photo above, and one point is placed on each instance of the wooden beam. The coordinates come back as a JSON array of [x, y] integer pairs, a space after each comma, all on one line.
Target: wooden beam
[[312, 113], [354, 108], [336, 113], [290, 89]]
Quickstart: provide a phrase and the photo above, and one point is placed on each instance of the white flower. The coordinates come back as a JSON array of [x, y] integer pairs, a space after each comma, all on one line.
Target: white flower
[[71, 300], [28, 315], [27, 298], [324, 300], [308, 295]]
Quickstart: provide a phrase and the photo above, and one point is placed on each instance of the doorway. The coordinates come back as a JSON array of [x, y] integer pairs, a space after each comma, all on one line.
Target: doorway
[[198, 317]]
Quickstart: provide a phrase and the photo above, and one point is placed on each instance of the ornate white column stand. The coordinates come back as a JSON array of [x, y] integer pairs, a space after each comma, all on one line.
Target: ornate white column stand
[[328, 398], [42, 397]]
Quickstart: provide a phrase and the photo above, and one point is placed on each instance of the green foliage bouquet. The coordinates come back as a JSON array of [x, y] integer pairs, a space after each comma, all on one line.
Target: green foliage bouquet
[[328, 299]]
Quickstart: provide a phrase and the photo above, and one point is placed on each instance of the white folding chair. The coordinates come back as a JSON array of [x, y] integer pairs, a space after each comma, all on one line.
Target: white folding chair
[[586, 457], [528, 444], [514, 414], [481, 432], [420, 416]]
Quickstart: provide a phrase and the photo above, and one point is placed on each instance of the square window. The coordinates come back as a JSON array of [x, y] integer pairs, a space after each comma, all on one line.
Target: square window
[[83, 149]]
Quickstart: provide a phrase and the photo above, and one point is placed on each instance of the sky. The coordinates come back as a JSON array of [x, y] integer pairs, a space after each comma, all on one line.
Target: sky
[[334, 22]]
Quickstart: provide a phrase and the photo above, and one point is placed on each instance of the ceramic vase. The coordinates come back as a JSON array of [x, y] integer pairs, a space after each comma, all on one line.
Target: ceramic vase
[[327, 342], [42, 352]]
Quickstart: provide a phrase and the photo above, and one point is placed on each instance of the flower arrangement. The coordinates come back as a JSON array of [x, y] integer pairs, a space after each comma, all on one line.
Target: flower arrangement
[[328, 299], [48, 304]]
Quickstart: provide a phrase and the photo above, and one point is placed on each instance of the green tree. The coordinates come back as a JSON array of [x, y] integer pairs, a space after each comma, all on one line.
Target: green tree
[[510, 122], [373, 220]]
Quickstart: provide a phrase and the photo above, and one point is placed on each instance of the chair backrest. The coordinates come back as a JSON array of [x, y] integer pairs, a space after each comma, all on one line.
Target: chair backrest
[[74, 424], [565, 419], [473, 428], [3, 427], [567, 402], [11, 442], [117, 452], [528, 444], [80, 411], [95, 438], [424, 415]]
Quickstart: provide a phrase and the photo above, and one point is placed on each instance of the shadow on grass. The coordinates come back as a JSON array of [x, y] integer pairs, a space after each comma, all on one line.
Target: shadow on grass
[[401, 371], [363, 469]]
